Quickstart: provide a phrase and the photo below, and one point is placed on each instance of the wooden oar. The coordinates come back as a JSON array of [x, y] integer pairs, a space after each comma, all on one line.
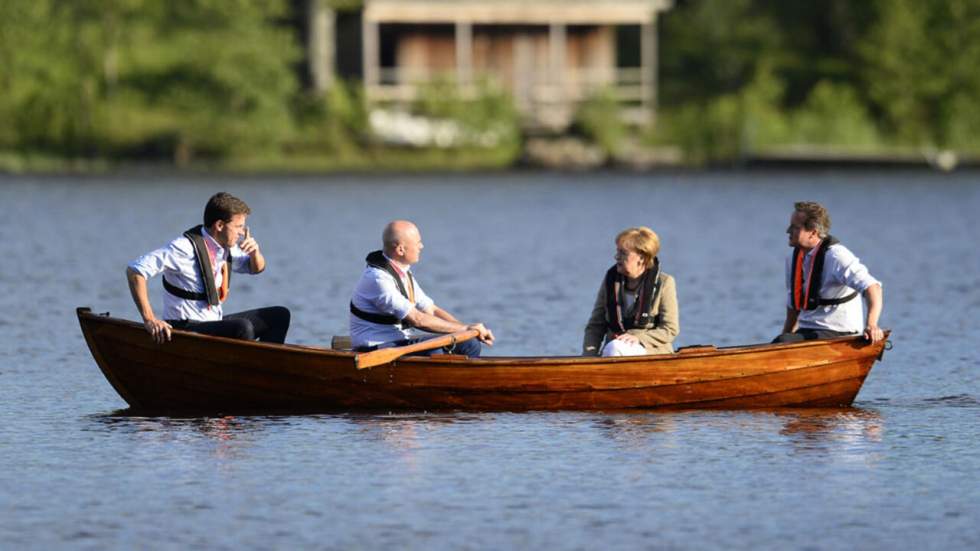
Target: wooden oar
[[365, 360]]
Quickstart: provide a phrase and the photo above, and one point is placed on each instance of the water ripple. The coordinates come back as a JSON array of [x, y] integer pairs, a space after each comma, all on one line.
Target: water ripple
[[897, 471]]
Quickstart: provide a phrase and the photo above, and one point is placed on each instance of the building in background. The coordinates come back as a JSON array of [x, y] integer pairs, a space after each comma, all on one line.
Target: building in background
[[549, 54]]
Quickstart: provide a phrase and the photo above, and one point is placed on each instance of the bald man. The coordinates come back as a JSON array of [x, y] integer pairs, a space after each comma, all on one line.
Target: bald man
[[389, 308]]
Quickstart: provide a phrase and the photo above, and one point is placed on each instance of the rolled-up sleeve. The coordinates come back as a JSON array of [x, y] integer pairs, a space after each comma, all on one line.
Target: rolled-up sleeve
[[422, 300]]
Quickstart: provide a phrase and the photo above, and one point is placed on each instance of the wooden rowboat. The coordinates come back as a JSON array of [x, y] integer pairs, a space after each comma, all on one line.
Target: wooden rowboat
[[199, 373]]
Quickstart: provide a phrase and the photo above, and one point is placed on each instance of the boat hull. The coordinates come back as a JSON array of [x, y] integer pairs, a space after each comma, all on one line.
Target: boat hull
[[201, 373]]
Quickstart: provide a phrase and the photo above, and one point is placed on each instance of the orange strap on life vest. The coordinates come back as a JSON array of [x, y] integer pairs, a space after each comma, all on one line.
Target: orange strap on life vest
[[225, 269], [223, 290], [798, 282], [801, 295], [801, 298]]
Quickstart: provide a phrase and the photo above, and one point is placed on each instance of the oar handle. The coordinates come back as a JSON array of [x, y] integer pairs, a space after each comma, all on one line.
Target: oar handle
[[365, 360]]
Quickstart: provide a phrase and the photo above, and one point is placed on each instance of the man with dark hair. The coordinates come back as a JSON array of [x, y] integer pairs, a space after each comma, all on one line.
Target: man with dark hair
[[823, 278], [196, 270]]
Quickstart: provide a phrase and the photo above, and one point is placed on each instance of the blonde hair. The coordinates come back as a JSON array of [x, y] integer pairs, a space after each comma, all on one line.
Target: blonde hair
[[641, 240]]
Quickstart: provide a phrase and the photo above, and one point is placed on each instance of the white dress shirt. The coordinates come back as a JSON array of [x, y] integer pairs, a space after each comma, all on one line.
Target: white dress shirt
[[843, 274], [377, 293], [177, 262]]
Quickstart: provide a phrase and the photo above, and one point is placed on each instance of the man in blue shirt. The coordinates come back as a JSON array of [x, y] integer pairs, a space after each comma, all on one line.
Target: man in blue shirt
[[197, 269], [389, 308], [825, 282]]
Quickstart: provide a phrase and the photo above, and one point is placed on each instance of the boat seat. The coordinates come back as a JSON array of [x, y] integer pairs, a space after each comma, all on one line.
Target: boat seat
[[341, 342], [697, 348]]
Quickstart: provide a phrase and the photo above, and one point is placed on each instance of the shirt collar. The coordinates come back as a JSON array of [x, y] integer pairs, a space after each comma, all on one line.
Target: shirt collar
[[219, 251], [401, 269]]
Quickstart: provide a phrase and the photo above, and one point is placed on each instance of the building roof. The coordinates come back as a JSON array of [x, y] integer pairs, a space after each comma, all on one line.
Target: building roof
[[515, 12]]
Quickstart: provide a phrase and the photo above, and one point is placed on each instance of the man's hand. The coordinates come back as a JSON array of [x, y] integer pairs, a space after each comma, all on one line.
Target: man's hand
[[158, 329], [249, 245], [628, 338], [485, 336], [873, 333]]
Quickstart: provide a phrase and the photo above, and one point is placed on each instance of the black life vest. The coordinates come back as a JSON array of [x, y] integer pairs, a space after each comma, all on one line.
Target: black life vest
[[809, 298], [616, 318], [212, 293], [378, 260]]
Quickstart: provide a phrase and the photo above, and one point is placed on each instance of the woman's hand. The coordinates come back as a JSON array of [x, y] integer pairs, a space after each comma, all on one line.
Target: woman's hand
[[628, 338]]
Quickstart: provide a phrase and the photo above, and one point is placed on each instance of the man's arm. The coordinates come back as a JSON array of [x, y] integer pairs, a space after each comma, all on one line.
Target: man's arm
[[157, 328], [875, 302], [437, 320], [251, 247], [442, 314]]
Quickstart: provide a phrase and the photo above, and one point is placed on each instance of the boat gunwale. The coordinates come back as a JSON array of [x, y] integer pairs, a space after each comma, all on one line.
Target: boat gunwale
[[85, 314]]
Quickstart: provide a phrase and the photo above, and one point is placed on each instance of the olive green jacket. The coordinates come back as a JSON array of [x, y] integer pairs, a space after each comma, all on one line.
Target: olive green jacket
[[658, 340]]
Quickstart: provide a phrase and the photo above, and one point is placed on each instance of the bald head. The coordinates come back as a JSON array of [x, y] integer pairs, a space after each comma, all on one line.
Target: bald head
[[402, 241]]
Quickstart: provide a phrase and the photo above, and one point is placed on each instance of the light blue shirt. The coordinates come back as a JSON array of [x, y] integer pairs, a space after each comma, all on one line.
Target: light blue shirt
[[842, 275], [377, 293], [177, 262]]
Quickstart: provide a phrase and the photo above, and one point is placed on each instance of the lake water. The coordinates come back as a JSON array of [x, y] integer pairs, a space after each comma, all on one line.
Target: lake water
[[524, 253]]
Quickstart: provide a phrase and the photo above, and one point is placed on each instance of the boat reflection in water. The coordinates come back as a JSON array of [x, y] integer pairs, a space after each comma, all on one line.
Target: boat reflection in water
[[836, 431], [847, 431], [227, 436]]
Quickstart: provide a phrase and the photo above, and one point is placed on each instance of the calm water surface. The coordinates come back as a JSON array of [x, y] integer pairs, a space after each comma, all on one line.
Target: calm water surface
[[525, 254]]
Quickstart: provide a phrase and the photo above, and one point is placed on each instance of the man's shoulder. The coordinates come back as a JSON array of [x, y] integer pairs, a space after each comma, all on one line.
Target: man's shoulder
[[181, 246], [840, 253], [374, 279], [376, 273]]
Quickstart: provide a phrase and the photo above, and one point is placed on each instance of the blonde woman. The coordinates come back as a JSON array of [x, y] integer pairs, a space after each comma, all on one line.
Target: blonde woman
[[635, 312]]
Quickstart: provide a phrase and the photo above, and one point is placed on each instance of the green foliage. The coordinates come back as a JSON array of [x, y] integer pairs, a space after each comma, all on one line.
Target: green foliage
[[850, 74], [706, 132], [486, 114], [726, 127], [217, 75], [345, 5], [217, 80], [921, 60], [710, 48], [762, 117], [335, 122], [834, 115], [599, 119], [963, 129], [115, 76]]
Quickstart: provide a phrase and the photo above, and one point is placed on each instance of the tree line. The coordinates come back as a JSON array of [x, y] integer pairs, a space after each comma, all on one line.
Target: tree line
[[742, 74], [222, 79]]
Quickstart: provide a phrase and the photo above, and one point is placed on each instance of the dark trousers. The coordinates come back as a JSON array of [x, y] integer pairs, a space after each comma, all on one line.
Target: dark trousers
[[471, 348], [809, 335], [265, 324]]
